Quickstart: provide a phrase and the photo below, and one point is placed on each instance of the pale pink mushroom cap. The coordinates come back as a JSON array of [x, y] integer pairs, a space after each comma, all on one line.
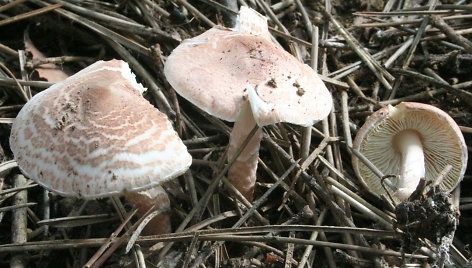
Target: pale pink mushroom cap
[[215, 70], [440, 136], [94, 135]]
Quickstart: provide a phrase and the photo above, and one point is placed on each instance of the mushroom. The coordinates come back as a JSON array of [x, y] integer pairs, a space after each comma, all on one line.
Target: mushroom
[[413, 141], [241, 76], [93, 135]]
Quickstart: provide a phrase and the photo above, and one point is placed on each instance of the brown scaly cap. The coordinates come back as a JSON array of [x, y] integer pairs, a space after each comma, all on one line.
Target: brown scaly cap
[[441, 138], [94, 135]]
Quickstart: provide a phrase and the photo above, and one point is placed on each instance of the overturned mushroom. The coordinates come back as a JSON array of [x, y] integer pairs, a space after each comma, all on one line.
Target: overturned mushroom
[[93, 135], [241, 75], [413, 141]]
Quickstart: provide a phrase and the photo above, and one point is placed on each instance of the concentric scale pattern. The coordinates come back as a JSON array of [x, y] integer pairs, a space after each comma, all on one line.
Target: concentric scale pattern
[[94, 135]]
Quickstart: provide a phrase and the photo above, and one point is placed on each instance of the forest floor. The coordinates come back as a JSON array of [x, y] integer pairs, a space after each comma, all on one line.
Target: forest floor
[[370, 54]]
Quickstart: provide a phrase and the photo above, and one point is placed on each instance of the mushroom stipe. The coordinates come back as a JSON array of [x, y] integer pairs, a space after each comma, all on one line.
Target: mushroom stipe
[[257, 82]]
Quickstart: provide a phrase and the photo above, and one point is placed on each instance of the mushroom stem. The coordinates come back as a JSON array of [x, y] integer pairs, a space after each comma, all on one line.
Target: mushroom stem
[[242, 174], [412, 163], [144, 200]]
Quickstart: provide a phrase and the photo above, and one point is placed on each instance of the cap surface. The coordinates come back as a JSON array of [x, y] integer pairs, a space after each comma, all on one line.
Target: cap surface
[[215, 69], [440, 136], [94, 135]]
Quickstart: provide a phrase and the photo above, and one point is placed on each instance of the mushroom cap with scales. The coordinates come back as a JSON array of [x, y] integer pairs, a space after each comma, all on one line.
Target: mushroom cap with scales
[[93, 135], [222, 68], [441, 139]]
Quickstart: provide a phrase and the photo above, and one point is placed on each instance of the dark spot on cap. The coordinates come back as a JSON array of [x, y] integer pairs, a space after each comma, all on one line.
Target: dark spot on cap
[[300, 91], [271, 83]]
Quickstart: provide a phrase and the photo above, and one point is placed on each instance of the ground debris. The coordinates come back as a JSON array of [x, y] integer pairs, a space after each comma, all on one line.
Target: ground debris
[[432, 217]]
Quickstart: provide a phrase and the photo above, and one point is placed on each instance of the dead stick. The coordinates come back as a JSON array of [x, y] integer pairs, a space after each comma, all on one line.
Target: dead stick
[[29, 14], [19, 221], [439, 23], [109, 240]]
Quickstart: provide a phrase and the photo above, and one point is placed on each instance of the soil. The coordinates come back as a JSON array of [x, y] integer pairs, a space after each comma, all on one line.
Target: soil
[[431, 216]]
